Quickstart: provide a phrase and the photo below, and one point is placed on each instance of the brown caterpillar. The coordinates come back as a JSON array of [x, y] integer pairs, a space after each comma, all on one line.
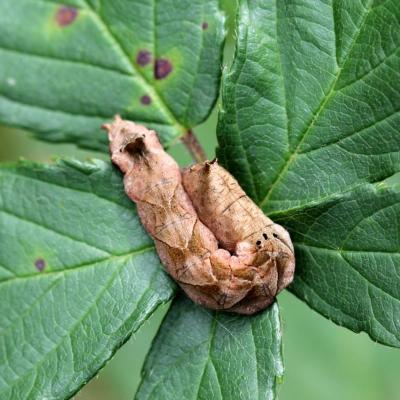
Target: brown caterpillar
[[212, 239]]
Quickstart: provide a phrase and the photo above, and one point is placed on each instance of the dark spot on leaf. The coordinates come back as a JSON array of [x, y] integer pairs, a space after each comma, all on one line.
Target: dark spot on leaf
[[145, 100], [40, 264], [265, 236], [162, 68], [204, 25], [143, 58], [66, 15]]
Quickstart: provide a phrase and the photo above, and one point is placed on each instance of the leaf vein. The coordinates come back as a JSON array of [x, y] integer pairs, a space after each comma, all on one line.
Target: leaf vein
[[51, 229], [151, 89], [325, 100], [81, 266]]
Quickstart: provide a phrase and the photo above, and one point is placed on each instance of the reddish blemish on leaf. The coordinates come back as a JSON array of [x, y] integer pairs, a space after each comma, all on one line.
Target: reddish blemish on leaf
[[162, 68], [143, 58], [204, 25], [40, 264], [145, 100], [66, 15]]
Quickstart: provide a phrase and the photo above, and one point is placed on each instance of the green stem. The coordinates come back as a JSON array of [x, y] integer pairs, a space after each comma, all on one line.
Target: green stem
[[194, 147]]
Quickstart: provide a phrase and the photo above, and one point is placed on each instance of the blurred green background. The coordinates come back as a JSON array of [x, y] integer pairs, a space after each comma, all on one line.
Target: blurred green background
[[323, 361]]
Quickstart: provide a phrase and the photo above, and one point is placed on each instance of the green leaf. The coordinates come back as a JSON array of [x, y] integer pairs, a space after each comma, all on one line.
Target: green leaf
[[311, 116], [65, 69], [78, 275], [348, 257], [199, 354]]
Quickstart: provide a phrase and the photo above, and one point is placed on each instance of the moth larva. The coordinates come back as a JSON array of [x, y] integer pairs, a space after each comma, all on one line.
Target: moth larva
[[212, 239]]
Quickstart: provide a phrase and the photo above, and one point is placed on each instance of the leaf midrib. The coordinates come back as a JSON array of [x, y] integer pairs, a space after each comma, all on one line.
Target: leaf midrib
[[83, 64], [325, 100], [281, 214], [82, 266], [208, 357], [52, 230]]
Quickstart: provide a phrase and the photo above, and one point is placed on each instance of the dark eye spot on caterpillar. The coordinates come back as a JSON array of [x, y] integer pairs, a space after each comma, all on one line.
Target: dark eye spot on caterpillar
[[203, 224]]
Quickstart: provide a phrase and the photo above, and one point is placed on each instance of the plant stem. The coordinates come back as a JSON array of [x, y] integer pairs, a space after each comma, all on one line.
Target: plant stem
[[193, 146]]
